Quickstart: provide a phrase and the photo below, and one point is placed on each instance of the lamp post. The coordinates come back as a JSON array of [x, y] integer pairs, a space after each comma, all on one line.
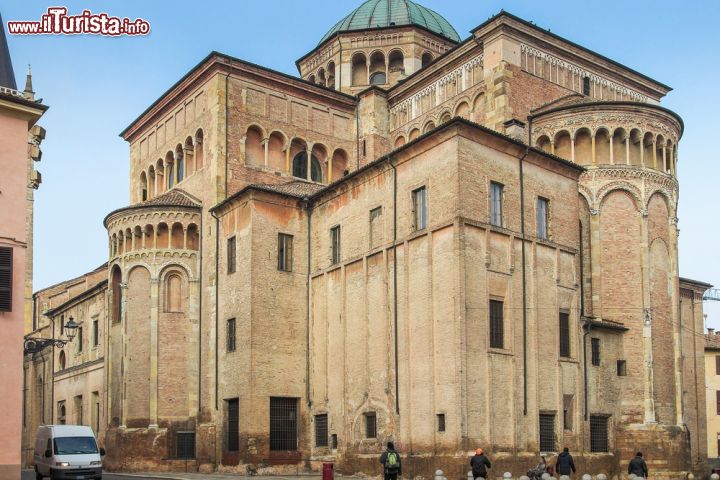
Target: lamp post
[[35, 345]]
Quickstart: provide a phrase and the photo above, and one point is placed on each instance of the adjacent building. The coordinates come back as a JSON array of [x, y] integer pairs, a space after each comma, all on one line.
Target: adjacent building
[[446, 243], [19, 150]]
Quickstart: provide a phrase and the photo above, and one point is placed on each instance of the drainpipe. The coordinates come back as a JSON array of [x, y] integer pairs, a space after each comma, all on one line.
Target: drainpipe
[[306, 202], [587, 323], [357, 135], [225, 193], [524, 282], [395, 289], [217, 292], [200, 312]]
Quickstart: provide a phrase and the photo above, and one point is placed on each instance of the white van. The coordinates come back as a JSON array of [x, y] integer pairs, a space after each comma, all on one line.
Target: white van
[[67, 451]]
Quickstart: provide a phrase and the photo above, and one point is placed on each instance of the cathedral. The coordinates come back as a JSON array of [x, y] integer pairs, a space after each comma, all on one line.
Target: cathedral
[[448, 243]]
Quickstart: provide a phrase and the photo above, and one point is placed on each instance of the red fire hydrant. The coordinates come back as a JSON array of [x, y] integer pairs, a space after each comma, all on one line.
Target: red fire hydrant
[[328, 471]]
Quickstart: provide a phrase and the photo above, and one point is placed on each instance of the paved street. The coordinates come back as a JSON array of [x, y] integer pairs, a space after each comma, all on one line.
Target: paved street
[[30, 475]]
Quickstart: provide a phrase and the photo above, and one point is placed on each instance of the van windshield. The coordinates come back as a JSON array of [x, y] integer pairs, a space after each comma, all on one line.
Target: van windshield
[[74, 445]]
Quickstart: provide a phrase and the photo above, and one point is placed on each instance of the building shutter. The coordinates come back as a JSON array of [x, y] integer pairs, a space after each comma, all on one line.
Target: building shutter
[[6, 271]]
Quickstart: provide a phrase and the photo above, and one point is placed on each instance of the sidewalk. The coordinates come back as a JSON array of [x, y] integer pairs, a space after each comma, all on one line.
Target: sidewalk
[[224, 476]]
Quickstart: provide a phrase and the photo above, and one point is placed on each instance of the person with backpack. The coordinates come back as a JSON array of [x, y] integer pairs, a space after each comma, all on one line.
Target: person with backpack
[[638, 466], [564, 464], [390, 459], [480, 464]]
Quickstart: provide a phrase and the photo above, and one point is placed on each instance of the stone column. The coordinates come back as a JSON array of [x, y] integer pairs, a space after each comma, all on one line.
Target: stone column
[[592, 143], [266, 144], [627, 150], [123, 310], [309, 163], [654, 149], [330, 172], [572, 148], [647, 319], [194, 360], [664, 158], [154, 317], [612, 156], [287, 161]]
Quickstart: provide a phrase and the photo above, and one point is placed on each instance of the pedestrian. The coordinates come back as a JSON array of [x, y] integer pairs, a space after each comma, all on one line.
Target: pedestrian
[[390, 460], [480, 464], [638, 466], [565, 464]]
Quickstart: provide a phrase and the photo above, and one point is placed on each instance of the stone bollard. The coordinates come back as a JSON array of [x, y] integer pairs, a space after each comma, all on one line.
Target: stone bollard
[[632, 476], [602, 476], [690, 476], [565, 477], [585, 477], [714, 476], [470, 475], [439, 475], [524, 477], [545, 476], [507, 476]]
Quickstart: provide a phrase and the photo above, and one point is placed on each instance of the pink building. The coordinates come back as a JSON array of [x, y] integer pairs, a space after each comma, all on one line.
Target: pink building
[[19, 140]]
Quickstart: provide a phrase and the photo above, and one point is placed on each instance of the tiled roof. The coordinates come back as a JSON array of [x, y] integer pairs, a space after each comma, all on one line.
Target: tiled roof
[[295, 188], [712, 341], [174, 198]]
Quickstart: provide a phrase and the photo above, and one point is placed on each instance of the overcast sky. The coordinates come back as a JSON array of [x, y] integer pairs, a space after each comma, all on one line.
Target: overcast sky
[[95, 86]]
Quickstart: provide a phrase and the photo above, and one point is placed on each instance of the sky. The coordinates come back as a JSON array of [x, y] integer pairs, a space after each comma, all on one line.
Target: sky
[[95, 86]]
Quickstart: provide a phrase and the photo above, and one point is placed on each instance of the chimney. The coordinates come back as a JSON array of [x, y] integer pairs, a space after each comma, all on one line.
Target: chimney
[[514, 128], [711, 331]]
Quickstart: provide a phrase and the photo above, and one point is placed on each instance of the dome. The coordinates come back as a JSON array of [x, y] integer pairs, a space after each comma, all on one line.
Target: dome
[[387, 13]]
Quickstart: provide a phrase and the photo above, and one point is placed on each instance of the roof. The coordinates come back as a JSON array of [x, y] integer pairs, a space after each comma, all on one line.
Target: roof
[[712, 341], [391, 13], [98, 287], [7, 76], [698, 283], [176, 197], [299, 189]]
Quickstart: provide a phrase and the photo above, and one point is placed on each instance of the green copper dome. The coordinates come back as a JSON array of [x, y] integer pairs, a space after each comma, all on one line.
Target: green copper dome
[[388, 13]]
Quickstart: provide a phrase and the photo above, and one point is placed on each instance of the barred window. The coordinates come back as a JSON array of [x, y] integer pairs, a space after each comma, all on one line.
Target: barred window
[[621, 368], [335, 245], [321, 430], [542, 217], [496, 201], [419, 198], [6, 263], [370, 425], [595, 350], [496, 324], [598, 433], [185, 445], [283, 424], [231, 335], [441, 422], [564, 334], [233, 425], [717, 365], [285, 252], [231, 255], [547, 432], [717, 401]]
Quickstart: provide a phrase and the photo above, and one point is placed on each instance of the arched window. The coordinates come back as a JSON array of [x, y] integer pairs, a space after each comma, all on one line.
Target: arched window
[[378, 78], [61, 360], [330, 75], [173, 293], [199, 152], [427, 58], [300, 167], [61, 413], [359, 69], [180, 161], [151, 181], [116, 293], [396, 65], [170, 169], [378, 75], [143, 187]]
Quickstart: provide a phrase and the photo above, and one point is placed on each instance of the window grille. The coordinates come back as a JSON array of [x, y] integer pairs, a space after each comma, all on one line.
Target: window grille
[[547, 432], [595, 349], [419, 197], [441, 422], [496, 324], [321, 430], [335, 245], [283, 424], [185, 445], [285, 252], [598, 433], [542, 218], [233, 425], [370, 425], [6, 263], [231, 255], [231, 335], [564, 334], [496, 194], [621, 368]]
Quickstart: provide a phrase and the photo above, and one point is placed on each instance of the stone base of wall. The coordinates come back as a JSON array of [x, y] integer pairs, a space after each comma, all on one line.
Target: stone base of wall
[[666, 449], [10, 472]]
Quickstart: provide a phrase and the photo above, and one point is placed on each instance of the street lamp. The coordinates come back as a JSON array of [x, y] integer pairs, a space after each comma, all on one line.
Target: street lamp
[[35, 345]]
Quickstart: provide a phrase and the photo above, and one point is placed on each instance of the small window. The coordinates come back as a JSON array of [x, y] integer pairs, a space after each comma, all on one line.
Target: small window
[[586, 86], [598, 433], [496, 324], [419, 198], [568, 412], [321, 430], [595, 349], [96, 333], [334, 441], [185, 445], [6, 284], [62, 324], [78, 410], [441, 422], [547, 432], [335, 245], [564, 334], [231, 335], [542, 217], [61, 412], [61, 360], [370, 425], [621, 368], [717, 401], [79, 339], [231, 255], [496, 201], [285, 252], [718, 440], [376, 230], [717, 365], [233, 425]]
